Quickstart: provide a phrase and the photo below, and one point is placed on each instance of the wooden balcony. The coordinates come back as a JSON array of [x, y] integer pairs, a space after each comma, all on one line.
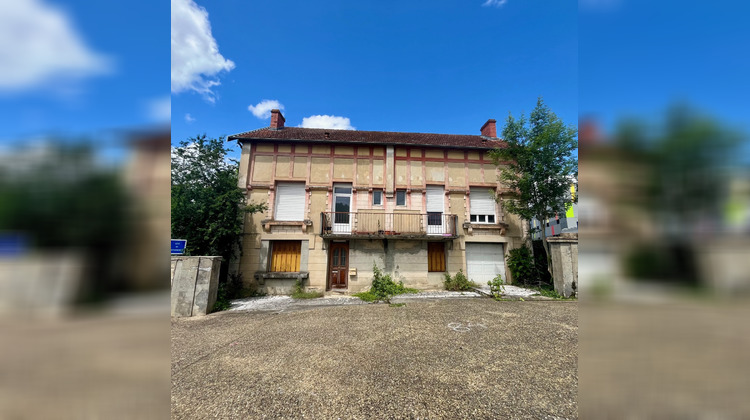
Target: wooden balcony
[[378, 225]]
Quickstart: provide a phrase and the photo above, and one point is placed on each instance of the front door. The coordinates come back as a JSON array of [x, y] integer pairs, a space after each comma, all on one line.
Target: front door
[[338, 254]]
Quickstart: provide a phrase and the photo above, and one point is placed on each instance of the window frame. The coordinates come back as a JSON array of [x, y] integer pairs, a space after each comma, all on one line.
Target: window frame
[[404, 195], [275, 265], [380, 194], [483, 218]]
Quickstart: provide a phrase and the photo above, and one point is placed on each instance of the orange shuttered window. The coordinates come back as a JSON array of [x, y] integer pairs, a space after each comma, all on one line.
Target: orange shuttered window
[[435, 256], [285, 255]]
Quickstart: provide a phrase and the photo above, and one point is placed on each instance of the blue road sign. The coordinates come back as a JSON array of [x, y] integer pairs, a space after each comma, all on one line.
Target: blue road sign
[[13, 244], [178, 246]]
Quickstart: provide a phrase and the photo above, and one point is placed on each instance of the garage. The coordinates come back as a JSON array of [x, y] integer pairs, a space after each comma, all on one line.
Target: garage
[[484, 261]]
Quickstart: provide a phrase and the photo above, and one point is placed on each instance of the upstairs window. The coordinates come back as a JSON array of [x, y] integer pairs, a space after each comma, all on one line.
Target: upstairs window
[[290, 201], [400, 197], [377, 198], [482, 202]]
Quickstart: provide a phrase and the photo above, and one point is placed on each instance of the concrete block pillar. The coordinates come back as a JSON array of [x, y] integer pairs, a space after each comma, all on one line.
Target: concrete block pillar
[[564, 250]]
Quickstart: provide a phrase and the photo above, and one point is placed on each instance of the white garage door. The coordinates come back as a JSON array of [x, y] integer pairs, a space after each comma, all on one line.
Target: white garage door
[[484, 262]]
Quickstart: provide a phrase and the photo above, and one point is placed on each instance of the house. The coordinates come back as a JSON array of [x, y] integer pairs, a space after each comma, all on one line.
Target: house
[[417, 205]]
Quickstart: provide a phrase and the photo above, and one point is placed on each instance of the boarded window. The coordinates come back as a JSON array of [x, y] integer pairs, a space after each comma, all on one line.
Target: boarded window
[[285, 256], [435, 256]]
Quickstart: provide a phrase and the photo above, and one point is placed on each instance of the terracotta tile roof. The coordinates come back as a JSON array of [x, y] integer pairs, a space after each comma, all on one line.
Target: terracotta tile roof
[[325, 135]]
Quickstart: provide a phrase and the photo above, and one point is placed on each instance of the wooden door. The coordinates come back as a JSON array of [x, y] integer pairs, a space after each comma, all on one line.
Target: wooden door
[[338, 253]]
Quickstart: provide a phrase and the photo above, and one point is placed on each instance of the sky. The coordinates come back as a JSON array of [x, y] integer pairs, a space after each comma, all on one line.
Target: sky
[[638, 57], [73, 69], [413, 66]]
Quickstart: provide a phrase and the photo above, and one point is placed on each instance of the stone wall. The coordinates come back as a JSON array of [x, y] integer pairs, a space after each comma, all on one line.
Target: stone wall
[[195, 281], [564, 250]]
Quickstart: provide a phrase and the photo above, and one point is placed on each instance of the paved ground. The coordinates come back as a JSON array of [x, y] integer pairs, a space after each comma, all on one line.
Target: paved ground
[[433, 358], [286, 303]]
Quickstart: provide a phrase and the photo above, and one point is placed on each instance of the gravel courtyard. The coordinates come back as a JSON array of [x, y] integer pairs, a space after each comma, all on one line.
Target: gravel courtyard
[[433, 358]]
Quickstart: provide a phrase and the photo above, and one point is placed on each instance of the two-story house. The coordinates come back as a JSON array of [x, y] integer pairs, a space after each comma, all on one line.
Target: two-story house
[[417, 205]]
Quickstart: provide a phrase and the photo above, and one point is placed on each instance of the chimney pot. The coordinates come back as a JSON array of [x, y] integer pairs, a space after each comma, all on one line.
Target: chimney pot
[[277, 120], [489, 129]]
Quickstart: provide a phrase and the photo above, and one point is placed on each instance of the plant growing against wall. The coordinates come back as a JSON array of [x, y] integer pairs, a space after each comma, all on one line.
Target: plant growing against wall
[[522, 266], [459, 282], [497, 286], [537, 164], [383, 288]]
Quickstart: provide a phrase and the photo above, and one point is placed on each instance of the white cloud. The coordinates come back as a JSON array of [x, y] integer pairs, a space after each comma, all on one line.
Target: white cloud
[[40, 47], [189, 118], [195, 55], [327, 121], [263, 109], [160, 109], [496, 3]]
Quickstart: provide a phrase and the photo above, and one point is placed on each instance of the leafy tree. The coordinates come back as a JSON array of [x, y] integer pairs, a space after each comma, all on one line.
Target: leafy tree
[[207, 205], [537, 164]]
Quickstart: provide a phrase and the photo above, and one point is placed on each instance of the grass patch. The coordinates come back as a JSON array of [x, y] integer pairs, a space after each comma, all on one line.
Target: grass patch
[[396, 305], [366, 296], [549, 291], [306, 295]]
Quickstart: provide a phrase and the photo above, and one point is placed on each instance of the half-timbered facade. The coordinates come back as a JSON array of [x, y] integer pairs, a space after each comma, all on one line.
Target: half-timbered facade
[[417, 205]]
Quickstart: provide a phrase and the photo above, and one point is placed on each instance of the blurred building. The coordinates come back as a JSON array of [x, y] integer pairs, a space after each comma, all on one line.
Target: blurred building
[[147, 177]]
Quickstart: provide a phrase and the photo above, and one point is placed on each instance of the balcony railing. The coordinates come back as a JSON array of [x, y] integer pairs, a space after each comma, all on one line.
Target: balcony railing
[[388, 224]]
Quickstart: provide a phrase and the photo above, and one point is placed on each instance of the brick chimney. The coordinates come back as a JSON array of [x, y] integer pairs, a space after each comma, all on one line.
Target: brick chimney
[[489, 129], [277, 120]]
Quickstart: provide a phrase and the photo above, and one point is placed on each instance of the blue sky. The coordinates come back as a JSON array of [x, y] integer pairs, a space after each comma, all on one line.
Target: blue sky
[[423, 66], [82, 68], [637, 57]]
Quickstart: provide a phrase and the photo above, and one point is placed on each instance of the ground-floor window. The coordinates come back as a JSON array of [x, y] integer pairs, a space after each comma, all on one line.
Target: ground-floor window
[[436, 256], [285, 256]]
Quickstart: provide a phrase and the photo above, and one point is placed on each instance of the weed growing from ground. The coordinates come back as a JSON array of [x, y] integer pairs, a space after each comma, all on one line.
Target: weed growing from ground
[[299, 292], [383, 288], [459, 282]]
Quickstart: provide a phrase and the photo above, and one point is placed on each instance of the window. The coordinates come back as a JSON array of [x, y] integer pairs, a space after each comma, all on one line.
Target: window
[[400, 197], [482, 202], [285, 256], [377, 198], [435, 256], [290, 201]]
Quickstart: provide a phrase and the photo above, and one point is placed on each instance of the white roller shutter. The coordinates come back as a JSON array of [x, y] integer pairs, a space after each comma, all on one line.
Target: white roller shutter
[[290, 202], [435, 199], [481, 201], [484, 261]]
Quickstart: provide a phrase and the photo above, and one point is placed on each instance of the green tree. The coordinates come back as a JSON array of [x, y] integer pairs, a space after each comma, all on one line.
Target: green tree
[[537, 164], [207, 205]]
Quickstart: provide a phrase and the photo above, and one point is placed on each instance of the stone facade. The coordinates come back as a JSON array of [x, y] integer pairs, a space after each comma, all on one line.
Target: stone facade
[[366, 169]]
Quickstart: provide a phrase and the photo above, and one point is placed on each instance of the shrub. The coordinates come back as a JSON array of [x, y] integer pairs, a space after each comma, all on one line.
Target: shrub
[[522, 266], [496, 286], [383, 288], [459, 282]]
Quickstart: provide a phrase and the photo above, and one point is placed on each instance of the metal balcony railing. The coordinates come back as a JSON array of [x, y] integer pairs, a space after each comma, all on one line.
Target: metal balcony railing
[[370, 223]]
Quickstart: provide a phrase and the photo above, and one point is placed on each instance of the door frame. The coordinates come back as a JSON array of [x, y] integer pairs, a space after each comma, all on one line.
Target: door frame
[[329, 280], [347, 226]]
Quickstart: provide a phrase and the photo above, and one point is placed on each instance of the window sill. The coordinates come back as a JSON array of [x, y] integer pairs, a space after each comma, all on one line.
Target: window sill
[[468, 226], [279, 275], [303, 224]]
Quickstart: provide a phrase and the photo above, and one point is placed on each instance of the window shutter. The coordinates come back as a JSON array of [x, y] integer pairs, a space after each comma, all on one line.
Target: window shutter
[[481, 201], [290, 202], [435, 199]]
